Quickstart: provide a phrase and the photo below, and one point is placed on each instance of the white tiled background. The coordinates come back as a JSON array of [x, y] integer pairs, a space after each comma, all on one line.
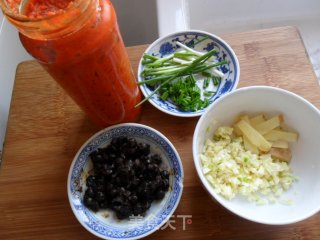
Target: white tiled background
[[235, 16]]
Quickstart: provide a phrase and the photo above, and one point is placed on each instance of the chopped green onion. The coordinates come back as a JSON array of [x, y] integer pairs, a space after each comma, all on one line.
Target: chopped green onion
[[201, 40], [184, 93], [216, 80], [206, 83], [180, 66], [206, 74], [208, 93]]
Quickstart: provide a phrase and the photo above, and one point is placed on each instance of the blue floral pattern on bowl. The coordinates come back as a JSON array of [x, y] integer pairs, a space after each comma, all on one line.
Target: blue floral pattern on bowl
[[167, 45], [157, 215]]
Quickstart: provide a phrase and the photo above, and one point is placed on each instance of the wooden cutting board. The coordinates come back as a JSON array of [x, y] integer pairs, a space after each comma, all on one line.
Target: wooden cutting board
[[46, 129]]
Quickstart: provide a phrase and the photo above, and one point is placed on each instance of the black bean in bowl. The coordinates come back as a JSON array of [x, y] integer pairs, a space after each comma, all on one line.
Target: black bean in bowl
[[127, 177]]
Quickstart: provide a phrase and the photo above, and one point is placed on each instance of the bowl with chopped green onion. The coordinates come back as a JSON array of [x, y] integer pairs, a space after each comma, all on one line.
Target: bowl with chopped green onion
[[183, 73]]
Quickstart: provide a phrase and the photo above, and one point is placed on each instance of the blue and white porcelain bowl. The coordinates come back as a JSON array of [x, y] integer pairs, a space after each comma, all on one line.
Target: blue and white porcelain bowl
[[104, 224], [167, 45]]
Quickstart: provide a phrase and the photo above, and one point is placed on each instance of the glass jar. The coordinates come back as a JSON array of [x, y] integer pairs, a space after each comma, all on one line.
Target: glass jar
[[78, 42]]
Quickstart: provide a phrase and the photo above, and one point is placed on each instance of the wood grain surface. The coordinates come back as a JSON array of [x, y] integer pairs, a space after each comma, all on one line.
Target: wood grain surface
[[46, 129]]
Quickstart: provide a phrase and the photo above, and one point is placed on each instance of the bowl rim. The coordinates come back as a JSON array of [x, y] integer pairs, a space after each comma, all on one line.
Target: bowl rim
[[162, 136], [198, 167], [191, 31]]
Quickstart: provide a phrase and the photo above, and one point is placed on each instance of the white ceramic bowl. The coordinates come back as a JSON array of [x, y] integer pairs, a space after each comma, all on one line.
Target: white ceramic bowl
[[166, 45], [103, 223], [299, 114]]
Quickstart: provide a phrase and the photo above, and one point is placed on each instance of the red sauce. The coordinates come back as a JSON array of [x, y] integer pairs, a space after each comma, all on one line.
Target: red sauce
[[42, 8], [91, 64]]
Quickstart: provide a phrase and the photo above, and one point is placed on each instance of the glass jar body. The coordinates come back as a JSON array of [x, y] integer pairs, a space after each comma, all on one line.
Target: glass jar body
[[90, 62]]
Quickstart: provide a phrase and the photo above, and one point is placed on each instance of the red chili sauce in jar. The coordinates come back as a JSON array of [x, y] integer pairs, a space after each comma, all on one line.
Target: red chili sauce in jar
[[90, 63]]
